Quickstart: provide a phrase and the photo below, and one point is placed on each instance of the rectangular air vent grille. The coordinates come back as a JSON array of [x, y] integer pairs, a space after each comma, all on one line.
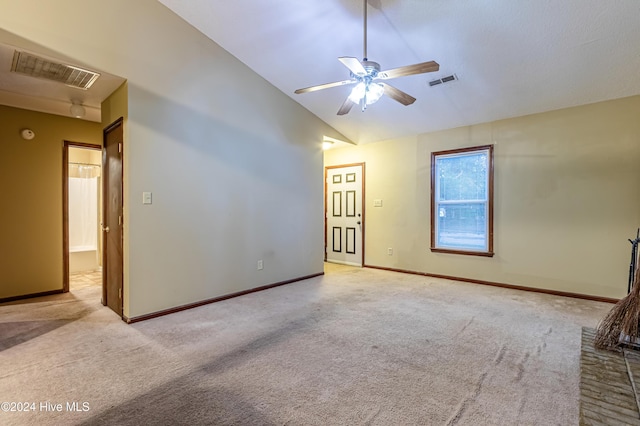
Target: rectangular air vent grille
[[34, 66], [446, 79]]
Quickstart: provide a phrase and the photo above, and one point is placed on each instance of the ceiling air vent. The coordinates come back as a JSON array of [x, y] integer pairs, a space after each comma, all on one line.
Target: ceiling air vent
[[446, 79], [34, 66]]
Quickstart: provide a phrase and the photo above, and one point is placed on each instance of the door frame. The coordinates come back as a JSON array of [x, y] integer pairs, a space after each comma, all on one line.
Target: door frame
[[326, 176], [105, 259], [65, 205]]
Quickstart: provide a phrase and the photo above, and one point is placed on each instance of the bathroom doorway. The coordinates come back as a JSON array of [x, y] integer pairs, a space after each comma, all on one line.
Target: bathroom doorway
[[82, 204]]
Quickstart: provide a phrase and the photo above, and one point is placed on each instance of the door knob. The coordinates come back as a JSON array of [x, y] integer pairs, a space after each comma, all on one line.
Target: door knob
[[358, 222], [105, 229]]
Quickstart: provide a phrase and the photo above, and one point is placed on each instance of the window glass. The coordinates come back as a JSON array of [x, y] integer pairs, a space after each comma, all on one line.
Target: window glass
[[462, 200]]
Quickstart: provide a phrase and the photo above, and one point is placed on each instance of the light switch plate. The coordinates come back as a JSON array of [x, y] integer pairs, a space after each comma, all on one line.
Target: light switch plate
[[377, 203], [146, 198]]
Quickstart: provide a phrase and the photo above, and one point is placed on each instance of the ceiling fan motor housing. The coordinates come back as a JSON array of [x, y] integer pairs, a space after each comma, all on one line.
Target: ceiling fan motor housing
[[372, 68]]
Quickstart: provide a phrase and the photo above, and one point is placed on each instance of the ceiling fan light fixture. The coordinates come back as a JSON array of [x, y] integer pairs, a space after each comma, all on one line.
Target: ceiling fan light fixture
[[374, 92], [371, 92], [357, 93]]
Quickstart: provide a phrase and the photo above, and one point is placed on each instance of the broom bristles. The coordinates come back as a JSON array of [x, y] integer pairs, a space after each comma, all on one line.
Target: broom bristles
[[621, 320]]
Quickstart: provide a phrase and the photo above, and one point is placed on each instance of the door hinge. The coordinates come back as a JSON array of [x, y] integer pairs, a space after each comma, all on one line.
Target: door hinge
[[120, 293], [119, 220], [120, 147]]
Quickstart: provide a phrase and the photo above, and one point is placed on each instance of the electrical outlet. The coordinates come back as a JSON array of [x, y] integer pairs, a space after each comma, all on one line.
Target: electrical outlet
[[260, 265], [390, 251]]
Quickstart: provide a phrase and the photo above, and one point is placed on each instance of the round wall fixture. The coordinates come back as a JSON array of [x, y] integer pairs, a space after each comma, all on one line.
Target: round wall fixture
[[27, 134]]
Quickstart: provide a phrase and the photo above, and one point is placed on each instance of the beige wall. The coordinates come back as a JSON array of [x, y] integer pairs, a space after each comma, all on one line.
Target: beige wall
[[566, 199], [113, 108], [31, 213], [234, 164], [85, 155]]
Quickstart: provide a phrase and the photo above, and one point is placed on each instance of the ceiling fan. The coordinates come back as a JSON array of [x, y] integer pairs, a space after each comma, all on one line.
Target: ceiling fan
[[366, 74]]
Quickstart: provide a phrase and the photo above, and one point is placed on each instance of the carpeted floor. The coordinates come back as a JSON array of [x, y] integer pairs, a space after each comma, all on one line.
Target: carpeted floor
[[354, 347]]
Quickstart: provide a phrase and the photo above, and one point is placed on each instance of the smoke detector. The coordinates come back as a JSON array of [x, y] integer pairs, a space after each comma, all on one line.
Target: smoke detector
[[27, 134]]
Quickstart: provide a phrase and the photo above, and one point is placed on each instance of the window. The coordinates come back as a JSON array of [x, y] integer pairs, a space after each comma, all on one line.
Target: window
[[462, 201]]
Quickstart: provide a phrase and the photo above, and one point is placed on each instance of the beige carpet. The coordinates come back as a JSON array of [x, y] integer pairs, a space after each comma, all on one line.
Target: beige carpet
[[355, 347]]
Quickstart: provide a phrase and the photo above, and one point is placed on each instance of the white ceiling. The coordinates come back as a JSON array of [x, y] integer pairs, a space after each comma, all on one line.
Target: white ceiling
[[512, 57]]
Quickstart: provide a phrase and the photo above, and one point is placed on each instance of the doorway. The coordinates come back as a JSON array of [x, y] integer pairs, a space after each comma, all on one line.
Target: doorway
[[82, 198], [344, 214]]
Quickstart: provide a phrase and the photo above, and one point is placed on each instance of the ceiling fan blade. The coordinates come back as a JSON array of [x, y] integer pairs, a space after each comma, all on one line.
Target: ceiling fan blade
[[346, 107], [325, 86], [354, 65], [421, 68], [398, 95]]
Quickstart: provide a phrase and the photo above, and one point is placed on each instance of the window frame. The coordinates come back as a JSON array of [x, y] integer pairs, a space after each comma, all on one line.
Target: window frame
[[490, 201]]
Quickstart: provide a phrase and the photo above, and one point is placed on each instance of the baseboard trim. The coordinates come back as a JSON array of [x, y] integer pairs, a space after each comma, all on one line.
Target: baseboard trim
[[215, 299], [495, 284], [30, 296]]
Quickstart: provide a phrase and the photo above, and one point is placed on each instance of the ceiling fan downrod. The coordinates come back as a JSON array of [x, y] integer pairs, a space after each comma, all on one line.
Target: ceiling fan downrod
[[364, 57]]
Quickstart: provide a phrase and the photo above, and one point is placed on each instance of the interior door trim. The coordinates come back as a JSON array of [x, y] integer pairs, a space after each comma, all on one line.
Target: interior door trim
[[65, 205], [326, 176], [113, 125]]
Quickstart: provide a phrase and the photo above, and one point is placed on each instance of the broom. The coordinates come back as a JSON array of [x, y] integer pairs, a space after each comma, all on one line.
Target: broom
[[622, 321]]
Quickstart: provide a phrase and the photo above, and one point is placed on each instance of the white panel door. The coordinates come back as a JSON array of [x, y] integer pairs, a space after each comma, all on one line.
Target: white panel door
[[344, 215]]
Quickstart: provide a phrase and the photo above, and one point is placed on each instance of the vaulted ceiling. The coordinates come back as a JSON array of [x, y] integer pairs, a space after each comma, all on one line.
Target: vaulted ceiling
[[511, 57]]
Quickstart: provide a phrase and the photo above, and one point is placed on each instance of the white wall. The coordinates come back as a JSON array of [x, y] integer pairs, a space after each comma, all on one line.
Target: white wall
[[235, 166], [566, 199]]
